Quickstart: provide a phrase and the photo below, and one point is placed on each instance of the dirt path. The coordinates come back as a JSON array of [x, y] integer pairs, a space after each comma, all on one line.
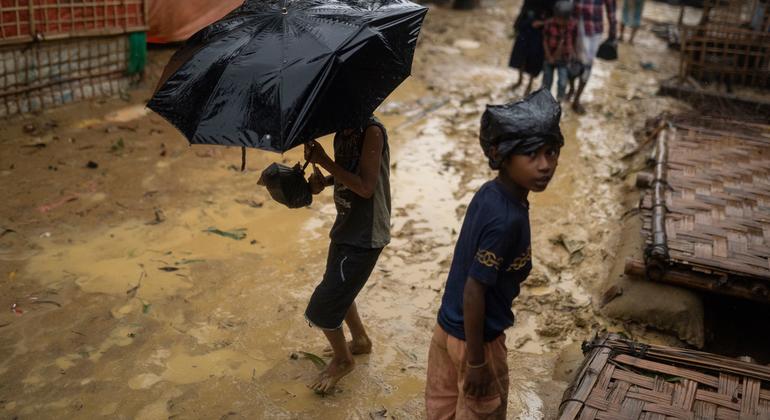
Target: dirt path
[[127, 307]]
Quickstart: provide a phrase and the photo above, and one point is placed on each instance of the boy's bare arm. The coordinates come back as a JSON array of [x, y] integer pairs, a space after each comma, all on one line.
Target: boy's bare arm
[[365, 181], [478, 379]]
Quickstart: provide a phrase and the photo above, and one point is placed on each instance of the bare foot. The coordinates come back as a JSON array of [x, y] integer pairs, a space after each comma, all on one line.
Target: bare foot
[[327, 380], [357, 347], [578, 108]]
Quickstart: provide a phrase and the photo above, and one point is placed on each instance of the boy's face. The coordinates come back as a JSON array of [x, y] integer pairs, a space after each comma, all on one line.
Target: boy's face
[[533, 171]]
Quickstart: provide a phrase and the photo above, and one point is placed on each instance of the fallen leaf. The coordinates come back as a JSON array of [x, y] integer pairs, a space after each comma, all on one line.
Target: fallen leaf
[[237, 234]]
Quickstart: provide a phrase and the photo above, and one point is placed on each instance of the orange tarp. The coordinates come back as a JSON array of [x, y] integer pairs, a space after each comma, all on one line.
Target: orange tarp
[[175, 20]]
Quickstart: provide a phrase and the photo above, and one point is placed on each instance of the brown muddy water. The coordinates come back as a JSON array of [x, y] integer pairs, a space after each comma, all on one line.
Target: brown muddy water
[[127, 307]]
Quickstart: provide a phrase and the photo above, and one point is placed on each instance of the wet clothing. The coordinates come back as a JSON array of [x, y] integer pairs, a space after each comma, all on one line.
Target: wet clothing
[[361, 222], [590, 14], [447, 366], [632, 13], [494, 249], [527, 54], [347, 270]]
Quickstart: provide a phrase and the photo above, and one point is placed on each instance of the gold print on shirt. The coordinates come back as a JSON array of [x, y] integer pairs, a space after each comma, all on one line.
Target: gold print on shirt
[[489, 259], [520, 262]]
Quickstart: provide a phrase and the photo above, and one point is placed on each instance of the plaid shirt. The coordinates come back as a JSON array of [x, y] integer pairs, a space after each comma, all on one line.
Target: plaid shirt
[[557, 35], [593, 19]]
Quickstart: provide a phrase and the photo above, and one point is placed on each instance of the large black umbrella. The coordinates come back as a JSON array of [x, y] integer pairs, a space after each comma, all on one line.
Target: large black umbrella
[[275, 74]]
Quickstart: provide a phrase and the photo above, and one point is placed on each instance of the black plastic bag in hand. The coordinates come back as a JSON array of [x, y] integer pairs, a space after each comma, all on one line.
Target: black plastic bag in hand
[[287, 185], [608, 50]]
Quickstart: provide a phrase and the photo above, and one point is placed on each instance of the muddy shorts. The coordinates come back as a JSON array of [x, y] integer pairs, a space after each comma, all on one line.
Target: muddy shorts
[[347, 270], [447, 361]]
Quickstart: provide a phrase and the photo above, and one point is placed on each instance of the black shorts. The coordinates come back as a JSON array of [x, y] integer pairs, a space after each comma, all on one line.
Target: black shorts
[[347, 270]]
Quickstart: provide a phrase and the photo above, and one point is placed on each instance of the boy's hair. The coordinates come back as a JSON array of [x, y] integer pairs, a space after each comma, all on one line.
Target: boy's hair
[[562, 9], [520, 127]]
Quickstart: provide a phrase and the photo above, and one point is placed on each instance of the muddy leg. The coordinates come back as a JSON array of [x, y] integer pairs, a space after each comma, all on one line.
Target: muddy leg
[[576, 106], [342, 363], [633, 35], [529, 86], [520, 81], [570, 89], [360, 343]]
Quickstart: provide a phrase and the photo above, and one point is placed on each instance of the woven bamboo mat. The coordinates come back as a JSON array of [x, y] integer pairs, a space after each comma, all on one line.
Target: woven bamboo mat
[[718, 198], [621, 379]]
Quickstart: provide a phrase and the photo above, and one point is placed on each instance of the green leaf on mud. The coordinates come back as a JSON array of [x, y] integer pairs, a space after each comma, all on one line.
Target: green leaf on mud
[[118, 146], [317, 361], [146, 307], [236, 234], [186, 261]]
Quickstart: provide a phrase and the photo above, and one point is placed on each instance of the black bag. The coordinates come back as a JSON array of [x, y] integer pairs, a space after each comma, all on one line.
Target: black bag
[[287, 185], [575, 69], [608, 50]]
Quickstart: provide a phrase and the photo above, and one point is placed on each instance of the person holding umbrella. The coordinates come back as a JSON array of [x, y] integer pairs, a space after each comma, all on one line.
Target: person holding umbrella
[[274, 75], [360, 174]]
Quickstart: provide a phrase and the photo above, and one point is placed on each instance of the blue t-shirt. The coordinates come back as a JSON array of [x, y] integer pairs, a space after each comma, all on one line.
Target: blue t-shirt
[[494, 248]]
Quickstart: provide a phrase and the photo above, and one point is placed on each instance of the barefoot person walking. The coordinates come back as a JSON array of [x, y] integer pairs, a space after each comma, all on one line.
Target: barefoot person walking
[[590, 27], [360, 174]]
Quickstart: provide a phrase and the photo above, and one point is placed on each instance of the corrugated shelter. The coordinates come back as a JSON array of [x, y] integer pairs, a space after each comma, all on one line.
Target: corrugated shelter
[[621, 379], [706, 217], [57, 51], [175, 21]]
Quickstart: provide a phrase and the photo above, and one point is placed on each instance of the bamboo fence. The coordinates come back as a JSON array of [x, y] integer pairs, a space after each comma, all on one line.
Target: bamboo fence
[[54, 52]]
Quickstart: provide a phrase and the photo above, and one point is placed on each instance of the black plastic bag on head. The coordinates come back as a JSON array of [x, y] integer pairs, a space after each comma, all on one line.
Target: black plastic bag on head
[[287, 185], [520, 127]]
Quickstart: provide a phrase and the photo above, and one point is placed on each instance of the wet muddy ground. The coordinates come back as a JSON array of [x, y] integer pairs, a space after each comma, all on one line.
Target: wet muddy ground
[[129, 305]]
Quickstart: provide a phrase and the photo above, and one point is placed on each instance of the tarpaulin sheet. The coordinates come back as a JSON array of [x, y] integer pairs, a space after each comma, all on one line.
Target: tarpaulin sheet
[[175, 20]]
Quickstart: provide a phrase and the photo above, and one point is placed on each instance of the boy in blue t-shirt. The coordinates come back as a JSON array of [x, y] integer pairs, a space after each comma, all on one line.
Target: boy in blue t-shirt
[[467, 361]]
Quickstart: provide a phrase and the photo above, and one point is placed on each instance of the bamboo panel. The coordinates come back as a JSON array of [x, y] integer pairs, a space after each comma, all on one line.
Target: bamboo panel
[[726, 53], [61, 72], [679, 384], [24, 21], [717, 206]]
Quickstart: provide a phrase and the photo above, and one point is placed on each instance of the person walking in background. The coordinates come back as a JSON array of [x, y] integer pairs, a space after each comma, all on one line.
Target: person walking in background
[[528, 55], [632, 18], [558, 44], [589, 15]]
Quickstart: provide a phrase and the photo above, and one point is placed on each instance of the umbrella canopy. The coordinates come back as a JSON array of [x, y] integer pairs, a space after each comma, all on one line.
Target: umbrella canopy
[[273, 75]]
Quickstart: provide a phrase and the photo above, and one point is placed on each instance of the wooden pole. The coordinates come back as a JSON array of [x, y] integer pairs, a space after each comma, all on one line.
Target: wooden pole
[[713, 283]]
